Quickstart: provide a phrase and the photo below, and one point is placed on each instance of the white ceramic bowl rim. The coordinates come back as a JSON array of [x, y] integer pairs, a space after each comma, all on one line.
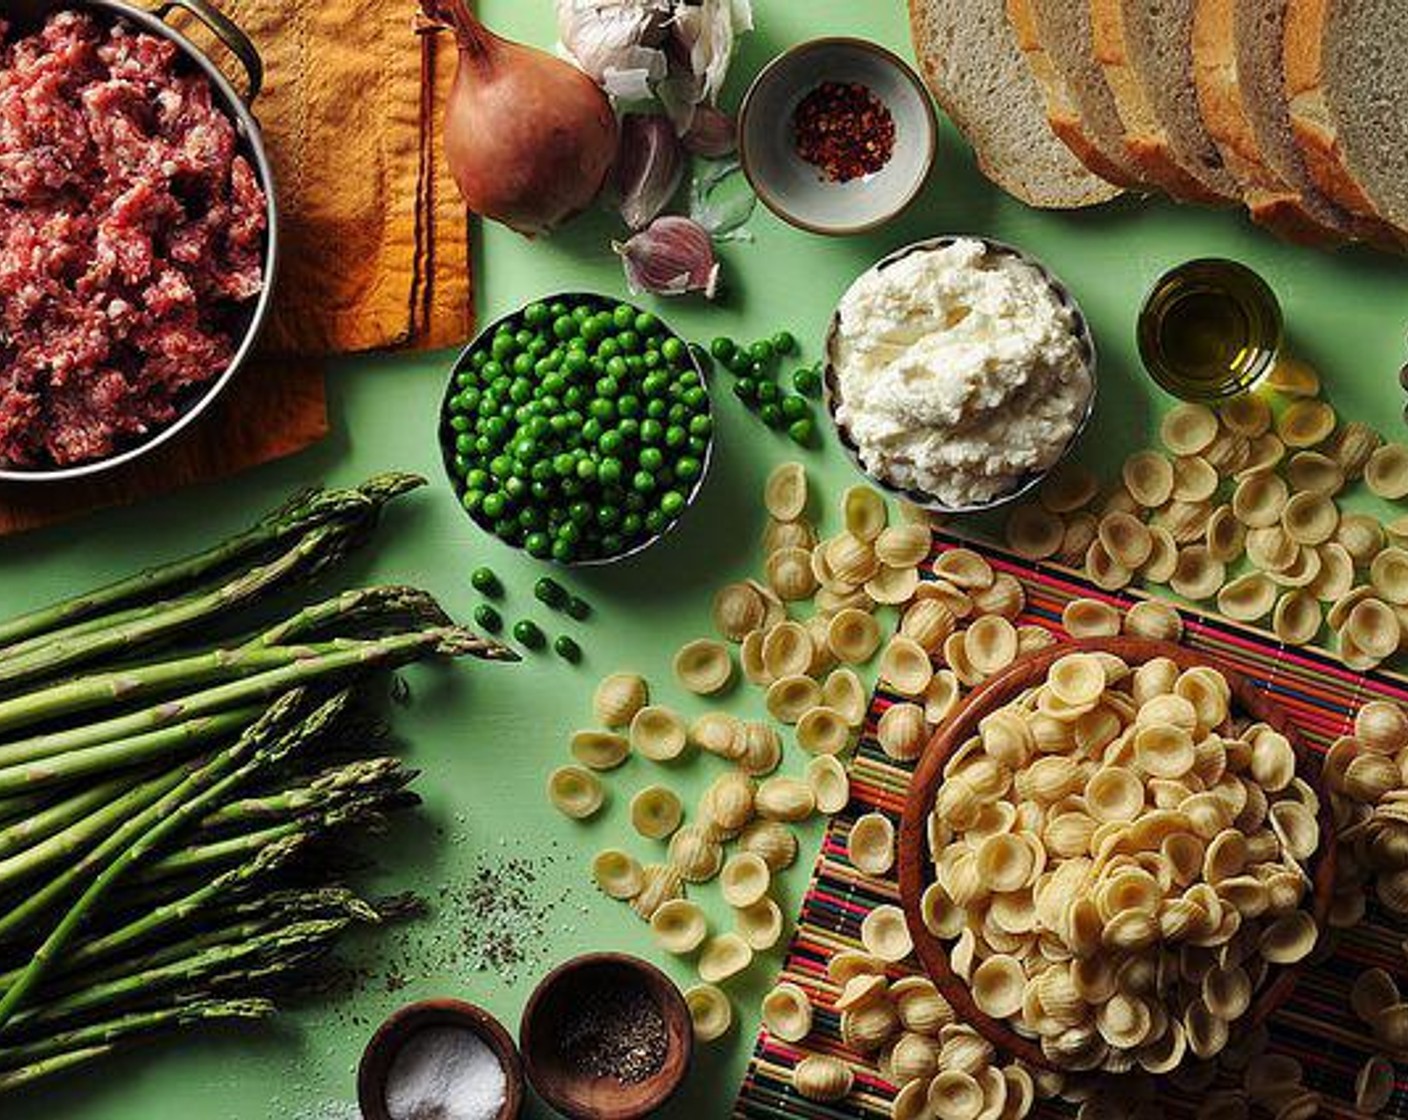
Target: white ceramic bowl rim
[[890, 60], [1031, 481]]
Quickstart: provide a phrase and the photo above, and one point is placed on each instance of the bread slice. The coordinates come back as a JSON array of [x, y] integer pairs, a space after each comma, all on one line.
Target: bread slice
[[1237, 53], [1347, 84], [1146, 52], [968, 53], [1079, 107]]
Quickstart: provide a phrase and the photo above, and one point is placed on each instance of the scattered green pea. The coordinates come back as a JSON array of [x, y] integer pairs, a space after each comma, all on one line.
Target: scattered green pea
[[807, 382], [723, 348], [528, 634], [784, 342], [801, 432], [484, 581], [550, 592], [771, 415], [578, 608], [567, 649], [488, 619]]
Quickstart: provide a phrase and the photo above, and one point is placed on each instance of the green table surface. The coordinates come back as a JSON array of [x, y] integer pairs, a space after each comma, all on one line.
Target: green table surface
[[486, 736]]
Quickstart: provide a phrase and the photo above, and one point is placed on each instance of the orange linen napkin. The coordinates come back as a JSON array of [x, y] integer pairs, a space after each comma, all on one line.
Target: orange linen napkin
[[374, 240]]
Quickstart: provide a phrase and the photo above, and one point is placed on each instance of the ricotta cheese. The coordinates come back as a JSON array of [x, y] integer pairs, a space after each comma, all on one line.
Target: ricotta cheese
[[959, 372]]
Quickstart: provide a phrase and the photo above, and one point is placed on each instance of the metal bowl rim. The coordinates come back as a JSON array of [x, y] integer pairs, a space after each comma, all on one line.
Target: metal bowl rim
[[253, 145], [446, 443]]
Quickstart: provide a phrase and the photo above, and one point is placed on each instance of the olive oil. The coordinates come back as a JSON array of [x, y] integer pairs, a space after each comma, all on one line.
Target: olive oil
[[1209, 330]]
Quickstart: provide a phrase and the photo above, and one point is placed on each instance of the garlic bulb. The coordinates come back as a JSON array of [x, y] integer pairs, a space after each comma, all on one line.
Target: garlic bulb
[[649, 167], [676, 50], [670, 257]]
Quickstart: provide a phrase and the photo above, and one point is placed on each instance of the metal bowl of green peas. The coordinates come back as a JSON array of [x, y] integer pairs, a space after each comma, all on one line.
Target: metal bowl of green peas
[[577, 428]]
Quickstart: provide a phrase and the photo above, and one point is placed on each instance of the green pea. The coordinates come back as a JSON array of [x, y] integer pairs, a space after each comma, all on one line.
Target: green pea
[[739, 362], [529, 634], [768, 392], [651, 430], [794, 407], [564, 327], [567, 649], [486, 582], [807, 382], [494, 505], [488, 619], [578, 608], [655, 522], [609, 471], [503, 346], [673, 350], [607, 349], [582, 312], [538, 545], [536, 314], [472, 500], [746, 390], [784, 342], [652, 459], [547, 590], [723, 348], [564, 551], [643, 482], [672, 503], [771, 415], [688, 468], [647, 323], [762, 351], [631, 525], [801, 431], [702, 426]]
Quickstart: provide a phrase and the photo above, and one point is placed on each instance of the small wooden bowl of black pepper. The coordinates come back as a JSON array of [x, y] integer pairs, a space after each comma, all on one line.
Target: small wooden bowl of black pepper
[[606, 1036]]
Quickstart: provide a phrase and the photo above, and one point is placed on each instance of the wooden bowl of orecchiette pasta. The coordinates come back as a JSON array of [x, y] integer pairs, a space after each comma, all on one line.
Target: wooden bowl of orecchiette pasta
[[1113, 855]]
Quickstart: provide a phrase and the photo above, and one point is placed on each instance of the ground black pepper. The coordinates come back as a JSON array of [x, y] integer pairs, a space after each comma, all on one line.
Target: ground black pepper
[[843, 130], [614, 1033]]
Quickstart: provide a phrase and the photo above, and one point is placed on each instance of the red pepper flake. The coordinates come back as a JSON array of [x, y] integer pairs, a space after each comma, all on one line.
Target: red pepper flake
[[843, 130]]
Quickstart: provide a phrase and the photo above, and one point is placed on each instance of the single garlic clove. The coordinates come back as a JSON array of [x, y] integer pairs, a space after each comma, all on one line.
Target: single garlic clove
[[711, 134], [670, 257], [649, 167]]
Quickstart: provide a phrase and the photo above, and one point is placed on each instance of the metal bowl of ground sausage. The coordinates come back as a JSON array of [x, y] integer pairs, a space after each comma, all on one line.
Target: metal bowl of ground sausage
[[28, 16]]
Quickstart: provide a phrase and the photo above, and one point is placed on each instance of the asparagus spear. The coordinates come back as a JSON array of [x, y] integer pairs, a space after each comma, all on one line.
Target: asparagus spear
[[83, 834], [304, 511], [247, 964], [158, 919], [118, 754], [38, 824], [127, 1027], [270, 738], [353, 608], [338, 786], [356, 657], [50, 1067]]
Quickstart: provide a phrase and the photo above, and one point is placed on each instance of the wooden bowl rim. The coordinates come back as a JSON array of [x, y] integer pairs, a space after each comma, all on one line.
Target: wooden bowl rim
[[381, 1050], [672, 1006], [915, 869]]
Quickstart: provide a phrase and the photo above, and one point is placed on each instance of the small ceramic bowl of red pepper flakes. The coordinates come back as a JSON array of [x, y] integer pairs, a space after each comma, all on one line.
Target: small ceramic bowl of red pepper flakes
[[837, 135]]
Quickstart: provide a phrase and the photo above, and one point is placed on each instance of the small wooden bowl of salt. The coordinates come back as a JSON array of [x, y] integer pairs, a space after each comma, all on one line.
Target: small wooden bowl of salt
[[443, 1058]]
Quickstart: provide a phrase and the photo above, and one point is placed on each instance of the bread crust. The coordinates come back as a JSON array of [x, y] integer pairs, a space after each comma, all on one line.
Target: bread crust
[[1062, 113], [1271, 201], [1311, 122], [1145, 140], [1095, 191]]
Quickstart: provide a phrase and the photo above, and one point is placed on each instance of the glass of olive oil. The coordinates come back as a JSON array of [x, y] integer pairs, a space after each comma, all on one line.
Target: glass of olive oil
[[1209, 330]]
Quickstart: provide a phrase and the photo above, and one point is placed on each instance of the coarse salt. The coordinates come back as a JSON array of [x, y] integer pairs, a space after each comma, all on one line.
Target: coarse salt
[[445, 1073]]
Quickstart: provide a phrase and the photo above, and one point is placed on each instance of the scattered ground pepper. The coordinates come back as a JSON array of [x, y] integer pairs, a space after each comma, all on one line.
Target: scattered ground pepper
[[844, 130], [614, 1033]]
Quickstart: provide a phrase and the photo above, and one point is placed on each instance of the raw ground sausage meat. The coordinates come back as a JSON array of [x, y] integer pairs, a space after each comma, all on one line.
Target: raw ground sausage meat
[[131, 239]]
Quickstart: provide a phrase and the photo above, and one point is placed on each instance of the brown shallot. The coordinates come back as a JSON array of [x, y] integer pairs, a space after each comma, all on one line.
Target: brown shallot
[[529, 138]]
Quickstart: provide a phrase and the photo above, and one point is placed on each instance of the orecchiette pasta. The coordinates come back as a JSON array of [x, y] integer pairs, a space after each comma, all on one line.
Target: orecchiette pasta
[[704, 666], [710, 1011], [1108, 820]]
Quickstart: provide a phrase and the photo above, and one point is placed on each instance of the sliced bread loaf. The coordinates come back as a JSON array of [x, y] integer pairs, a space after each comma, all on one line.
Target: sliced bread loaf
[[969, 56], [1146, 52], [1079, 107], [1237, 51], [1347, 82]]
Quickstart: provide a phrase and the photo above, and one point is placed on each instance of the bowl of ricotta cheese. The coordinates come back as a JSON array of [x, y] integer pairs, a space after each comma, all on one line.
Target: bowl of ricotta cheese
[[959, 372]]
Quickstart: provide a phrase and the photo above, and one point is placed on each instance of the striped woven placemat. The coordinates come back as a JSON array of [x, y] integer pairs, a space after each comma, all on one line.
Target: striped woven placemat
[[1316, 1025]]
